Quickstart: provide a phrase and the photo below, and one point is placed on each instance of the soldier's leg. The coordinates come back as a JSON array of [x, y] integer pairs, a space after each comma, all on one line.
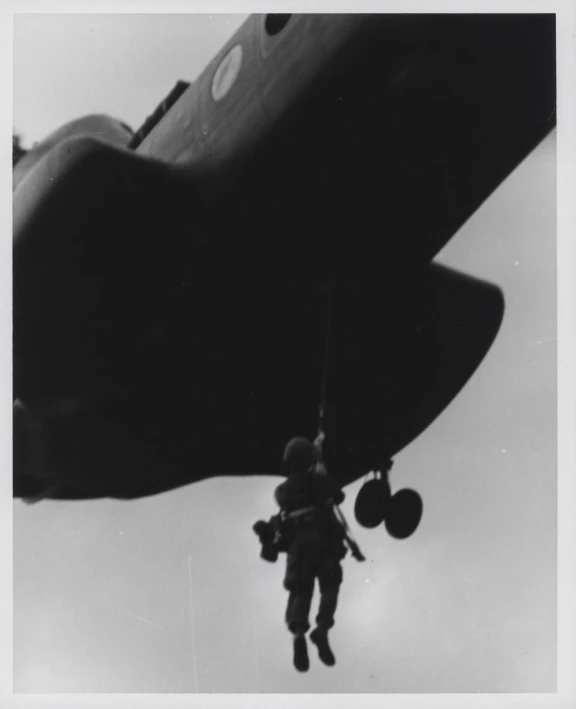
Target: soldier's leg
[[300, 586], [329, 581], [298, 607], [299, 582]]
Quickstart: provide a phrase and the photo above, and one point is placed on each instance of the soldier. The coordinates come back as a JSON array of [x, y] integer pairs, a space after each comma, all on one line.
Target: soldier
[[315, 547]]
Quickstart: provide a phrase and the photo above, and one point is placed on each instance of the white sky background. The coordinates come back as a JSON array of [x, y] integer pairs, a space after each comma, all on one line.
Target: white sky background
[[66, 66], [105, 599]]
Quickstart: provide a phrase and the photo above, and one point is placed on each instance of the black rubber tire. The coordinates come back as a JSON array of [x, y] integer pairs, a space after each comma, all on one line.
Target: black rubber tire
[[403, 514], [371, 503]]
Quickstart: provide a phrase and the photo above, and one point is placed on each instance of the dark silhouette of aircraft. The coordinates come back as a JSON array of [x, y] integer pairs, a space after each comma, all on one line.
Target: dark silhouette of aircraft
[[168, 320]]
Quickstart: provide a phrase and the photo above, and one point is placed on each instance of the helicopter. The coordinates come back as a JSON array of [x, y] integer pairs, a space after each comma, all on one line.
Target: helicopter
[[171, 315]]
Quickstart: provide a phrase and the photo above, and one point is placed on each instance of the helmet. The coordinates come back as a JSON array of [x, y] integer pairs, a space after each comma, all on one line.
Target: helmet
[[300, 454]]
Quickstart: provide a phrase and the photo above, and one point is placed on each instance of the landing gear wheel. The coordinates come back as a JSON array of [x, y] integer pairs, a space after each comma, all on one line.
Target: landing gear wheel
[[403, 513], [372, 502]]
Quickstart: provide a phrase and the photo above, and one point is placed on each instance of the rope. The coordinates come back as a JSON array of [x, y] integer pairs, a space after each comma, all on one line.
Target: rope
[[327, 288]]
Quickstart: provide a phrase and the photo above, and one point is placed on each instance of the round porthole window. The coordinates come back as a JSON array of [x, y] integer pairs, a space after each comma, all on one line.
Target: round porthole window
[[275, 23], [226, 73]]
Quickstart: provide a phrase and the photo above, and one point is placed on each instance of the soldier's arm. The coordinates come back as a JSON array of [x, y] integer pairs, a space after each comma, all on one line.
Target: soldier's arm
[[338, 494], [280, 495], [330, 490]]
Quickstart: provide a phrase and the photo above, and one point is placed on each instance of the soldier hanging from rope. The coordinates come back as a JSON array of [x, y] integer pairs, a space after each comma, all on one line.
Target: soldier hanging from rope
[[312, 531], [313, 539]]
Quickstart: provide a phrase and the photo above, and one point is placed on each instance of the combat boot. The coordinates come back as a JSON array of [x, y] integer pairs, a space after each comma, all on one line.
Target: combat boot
[[320, 638], [301, 661]]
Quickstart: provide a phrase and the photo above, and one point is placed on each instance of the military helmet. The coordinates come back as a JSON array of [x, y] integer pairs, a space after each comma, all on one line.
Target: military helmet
[[300, 454]]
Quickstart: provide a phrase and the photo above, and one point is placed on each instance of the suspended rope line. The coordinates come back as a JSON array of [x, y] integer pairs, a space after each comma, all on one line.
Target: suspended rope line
[[327, 288]]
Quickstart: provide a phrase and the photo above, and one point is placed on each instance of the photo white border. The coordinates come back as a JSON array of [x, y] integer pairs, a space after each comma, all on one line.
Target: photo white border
[[565, 11]]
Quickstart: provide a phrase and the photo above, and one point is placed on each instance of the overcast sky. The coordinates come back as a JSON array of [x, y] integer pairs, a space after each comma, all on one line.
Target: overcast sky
[[66, 66], [168, 594]]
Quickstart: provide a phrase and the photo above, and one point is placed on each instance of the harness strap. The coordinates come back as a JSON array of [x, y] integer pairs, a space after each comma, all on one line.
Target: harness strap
[[300, 512]]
